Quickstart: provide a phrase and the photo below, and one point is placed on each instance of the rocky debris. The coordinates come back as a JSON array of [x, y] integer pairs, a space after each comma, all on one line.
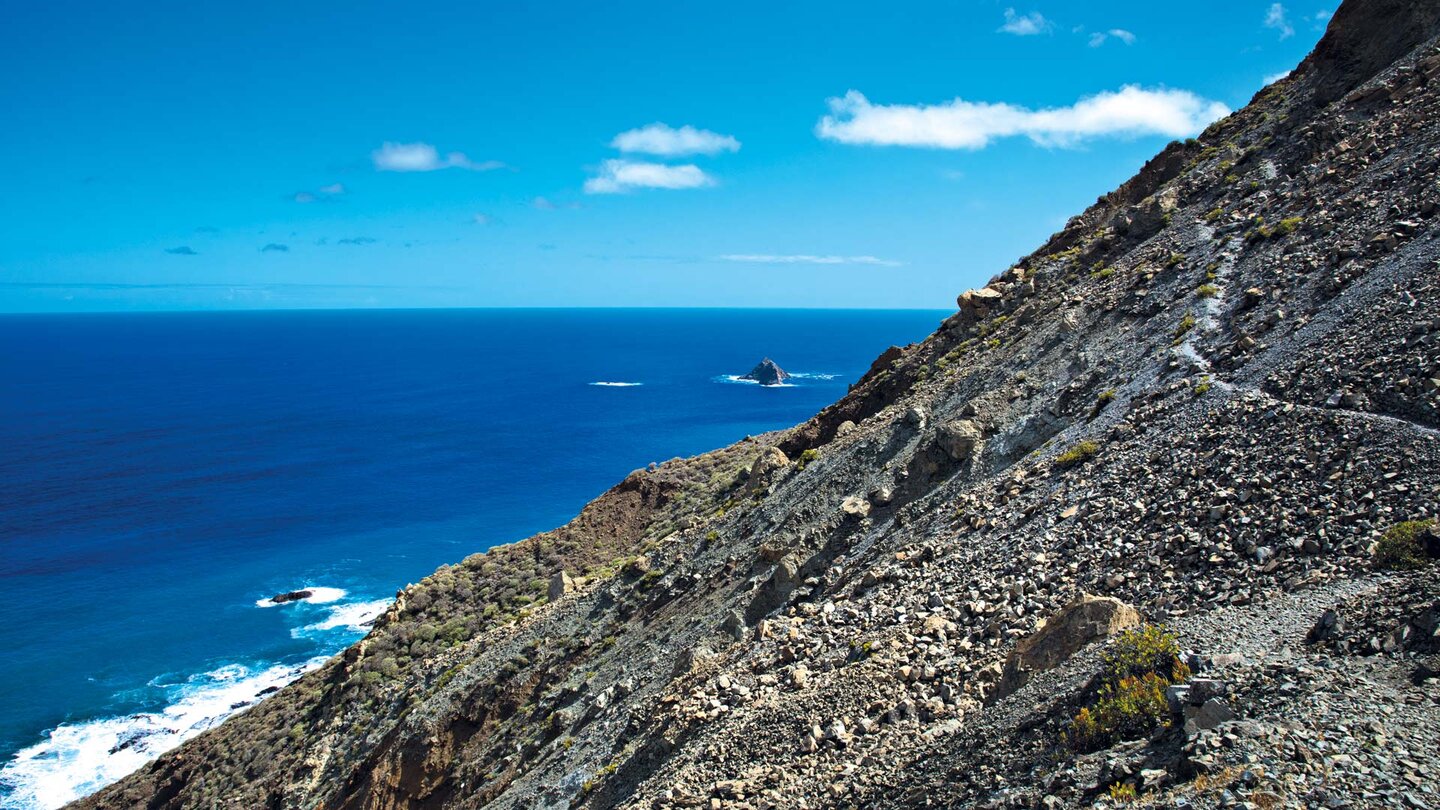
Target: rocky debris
[[767, 372], [1087, 619], [291, 596]]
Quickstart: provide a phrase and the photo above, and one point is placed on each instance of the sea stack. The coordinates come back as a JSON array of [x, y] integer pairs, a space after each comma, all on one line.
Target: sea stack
[[768, 372], [291, 596]]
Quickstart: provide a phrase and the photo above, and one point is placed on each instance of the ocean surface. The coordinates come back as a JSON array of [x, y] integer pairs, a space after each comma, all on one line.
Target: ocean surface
[[162, 475]]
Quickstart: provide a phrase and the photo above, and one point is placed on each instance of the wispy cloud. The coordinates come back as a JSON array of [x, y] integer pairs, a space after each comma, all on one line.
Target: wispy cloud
[[1275, 77], [1024, 25], [805, 258], [1276, 18], [325, 193], [666, 141], [960, 124], [618, 176], [1101, 37], [357, 240], [275, 247], [182, 250], [480, 219], [422, 157]]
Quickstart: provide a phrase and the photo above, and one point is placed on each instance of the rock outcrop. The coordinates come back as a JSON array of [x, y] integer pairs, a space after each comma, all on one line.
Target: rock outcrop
[[767, 372], [1087, 619], [291, 596], [1210, 396]]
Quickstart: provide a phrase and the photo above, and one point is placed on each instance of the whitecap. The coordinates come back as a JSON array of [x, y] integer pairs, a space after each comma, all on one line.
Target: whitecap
[[355, 617], [737, 378], [318, 596], [76, 759], [813, 375], [605, 384]]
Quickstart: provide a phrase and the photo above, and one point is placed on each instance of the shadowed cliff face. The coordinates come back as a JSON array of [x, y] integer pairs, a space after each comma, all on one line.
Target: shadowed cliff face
[[1207, 396]]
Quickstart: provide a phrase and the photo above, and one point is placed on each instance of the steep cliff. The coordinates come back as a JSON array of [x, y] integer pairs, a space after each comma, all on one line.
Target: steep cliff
[[1209, 396]]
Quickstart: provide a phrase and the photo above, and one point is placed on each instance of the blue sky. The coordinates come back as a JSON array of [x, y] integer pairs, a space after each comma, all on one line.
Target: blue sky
[[809, 154]]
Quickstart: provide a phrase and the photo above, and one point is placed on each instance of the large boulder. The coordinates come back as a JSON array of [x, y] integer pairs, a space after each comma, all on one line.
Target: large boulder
[[560, 584], [770, 462], [1087, 619], [979, 303], [960, 439]]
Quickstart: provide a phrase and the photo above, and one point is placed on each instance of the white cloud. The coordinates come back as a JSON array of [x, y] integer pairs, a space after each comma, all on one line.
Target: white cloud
[[1100, 37], [422, 157], [1024, 25], [618, 176], [662, 139], [481, 219], [1275, 77], [333, 189], [960, 124], [1276, 18], [770, 258]]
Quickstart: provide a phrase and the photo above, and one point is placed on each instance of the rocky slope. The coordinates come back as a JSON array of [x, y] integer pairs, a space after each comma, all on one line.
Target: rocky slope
[[1209, 396]]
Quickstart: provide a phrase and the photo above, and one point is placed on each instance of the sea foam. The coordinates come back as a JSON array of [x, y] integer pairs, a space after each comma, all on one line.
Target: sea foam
[[605, 384], [77, 759], [739, 378], [355, 617], [318, 596]]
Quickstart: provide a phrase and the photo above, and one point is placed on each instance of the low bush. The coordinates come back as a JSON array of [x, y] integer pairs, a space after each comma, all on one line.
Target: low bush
[[1399, 548], [1130, 701], [1078, 454]]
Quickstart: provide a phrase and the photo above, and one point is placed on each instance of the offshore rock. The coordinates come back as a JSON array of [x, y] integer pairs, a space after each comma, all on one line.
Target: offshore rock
[[767, 372]]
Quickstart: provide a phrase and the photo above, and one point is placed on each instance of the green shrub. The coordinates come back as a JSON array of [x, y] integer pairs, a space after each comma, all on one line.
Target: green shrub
[[1123, 793], [1174, 259], [1399, 548], [1127, 710], [1202, 387], [1146, 650], [1107, 396], [1207, 291], [1186, 324], [1103, 273], [1081, 452], [1131, 700], [1214, 214], [1288, 225], [806, 457]]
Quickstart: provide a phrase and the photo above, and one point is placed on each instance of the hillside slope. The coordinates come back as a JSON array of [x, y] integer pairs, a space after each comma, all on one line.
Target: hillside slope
[[1208, 396]]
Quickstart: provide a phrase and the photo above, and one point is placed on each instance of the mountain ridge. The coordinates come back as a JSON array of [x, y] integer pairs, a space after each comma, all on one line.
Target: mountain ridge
[[1208, 396]]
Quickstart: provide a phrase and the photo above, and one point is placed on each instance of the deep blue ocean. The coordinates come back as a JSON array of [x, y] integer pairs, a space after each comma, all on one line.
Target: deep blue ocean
[[161, 474]]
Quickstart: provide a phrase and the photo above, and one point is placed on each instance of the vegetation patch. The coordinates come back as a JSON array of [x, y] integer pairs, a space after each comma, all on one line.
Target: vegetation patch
[[1130, 701], [1080, 453], [1399, 548], [1207, 291], [806, 457], [1186, 324]]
